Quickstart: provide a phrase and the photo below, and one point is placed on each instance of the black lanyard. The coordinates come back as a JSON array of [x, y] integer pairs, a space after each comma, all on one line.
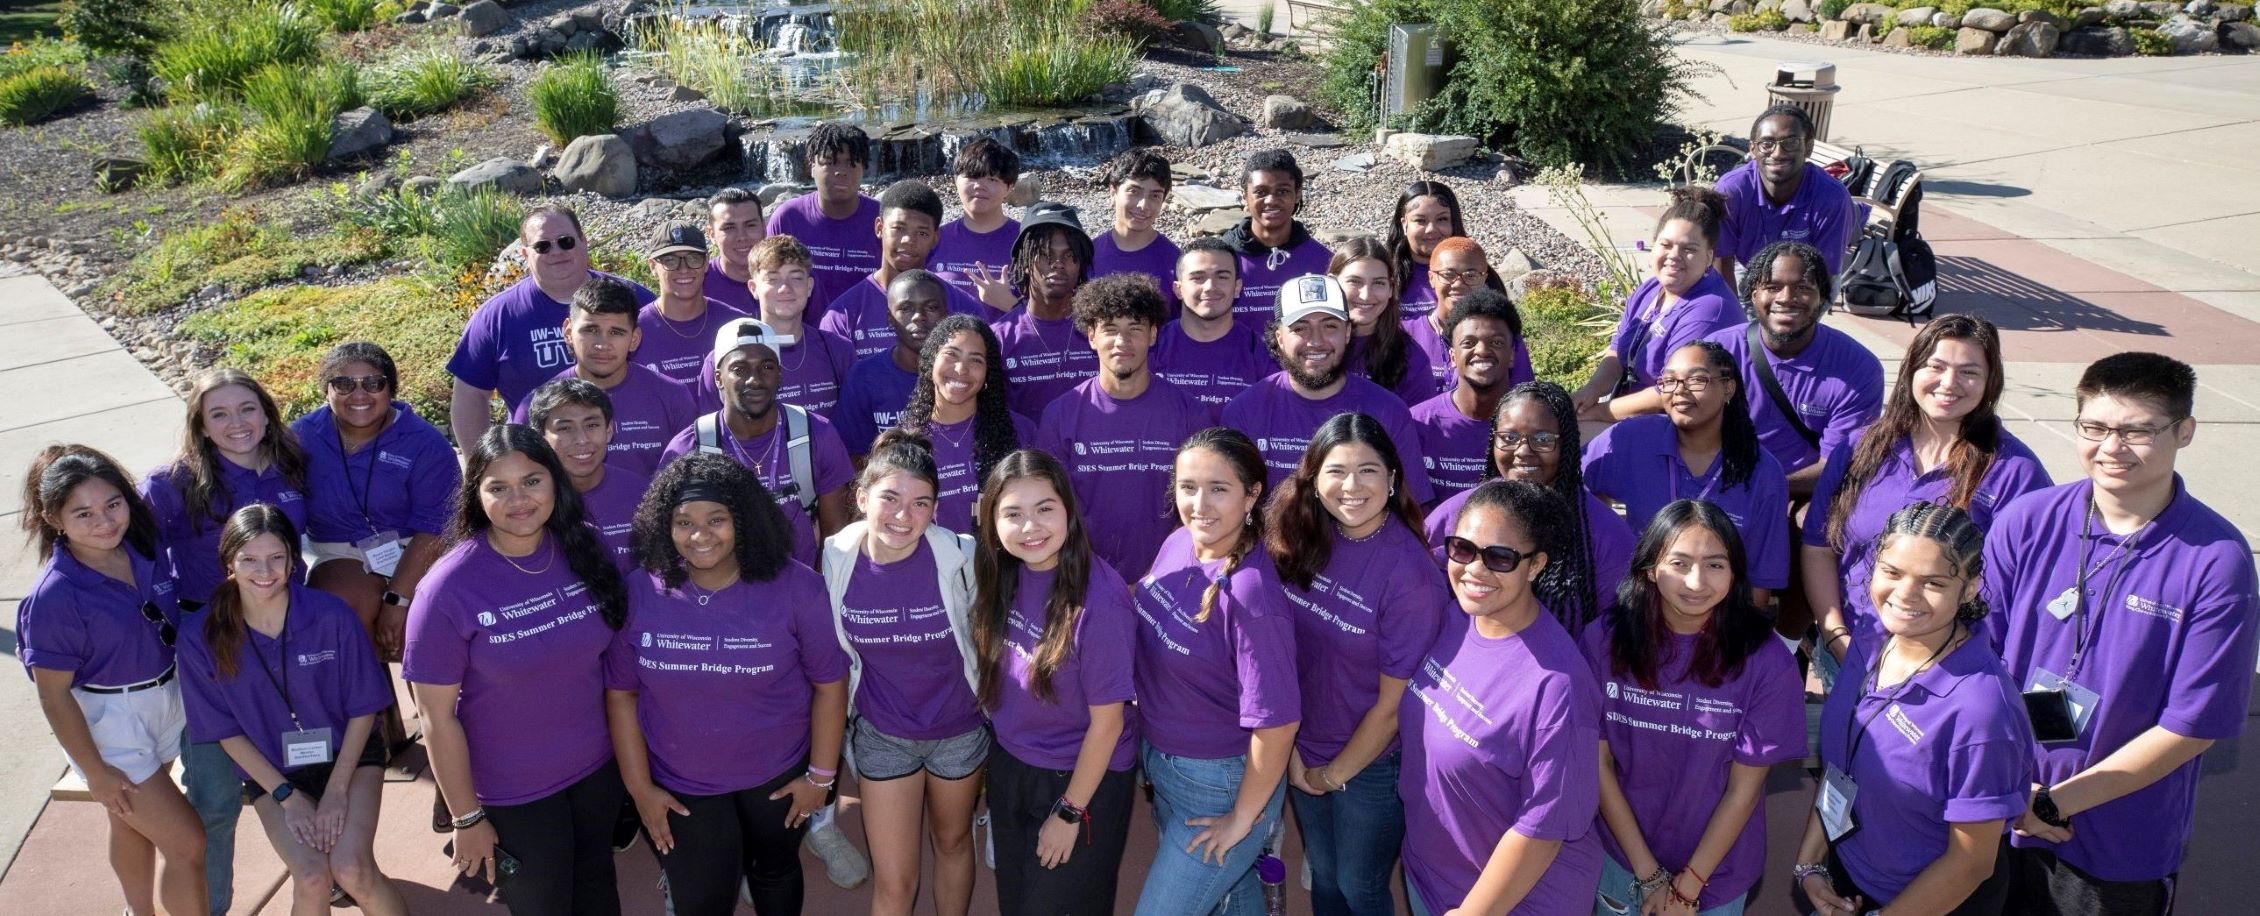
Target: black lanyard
[[282, 647], [2124, 553], [361, 498], [1867, 688]]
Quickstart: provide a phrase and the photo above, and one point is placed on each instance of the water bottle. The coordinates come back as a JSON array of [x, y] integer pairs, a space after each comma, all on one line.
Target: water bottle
[[1273, 874]]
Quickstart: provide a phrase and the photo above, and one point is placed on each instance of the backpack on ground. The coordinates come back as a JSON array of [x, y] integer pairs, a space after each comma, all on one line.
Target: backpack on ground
[[1891, 271], [802, 487]]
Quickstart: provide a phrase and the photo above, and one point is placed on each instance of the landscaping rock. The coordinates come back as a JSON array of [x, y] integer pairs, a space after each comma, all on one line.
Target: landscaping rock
[[2122, 9], [1216, 222], [771, 194], [422, 185], [2242, 35], [1358, 162], [2190, 36], [1201, 198], [1513, 264], [1974, 41], [441, 10], [2030, 39], [1991, 20], [1026, 191], [501, 173], [1198, 37], [683, 139], [1919, 15], [585, 41], [359, 131], [2097, 42], [604, 165], [1284, 112], [1901, 37], [1867, 34], [411, 17], [377, 185], [117, 173], [1870, 13], [1186, 115], [1946, 20], [2043, 16], [485, 17], [1836, 30], [2234, 12], [1796, 10], [2086, 17], [2158, 9], [1430, 151], [682, 93], [2201, 9]]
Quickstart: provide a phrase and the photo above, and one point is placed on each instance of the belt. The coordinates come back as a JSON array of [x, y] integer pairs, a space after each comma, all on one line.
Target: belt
[[158, 681]]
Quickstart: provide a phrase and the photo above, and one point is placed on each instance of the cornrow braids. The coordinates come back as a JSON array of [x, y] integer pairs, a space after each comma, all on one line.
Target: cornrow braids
[[1576, 555], [1959, 538]]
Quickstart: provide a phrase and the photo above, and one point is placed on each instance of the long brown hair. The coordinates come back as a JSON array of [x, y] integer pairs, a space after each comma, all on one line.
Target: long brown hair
[[1239, 451], [996, 573], [1299, 541], [203, 490], [223, 620], [1975, 446], [59, 469], [1385, 351]]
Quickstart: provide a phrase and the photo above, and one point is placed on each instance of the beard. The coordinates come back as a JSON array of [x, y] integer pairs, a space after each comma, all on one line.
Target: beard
[[1312, 381]]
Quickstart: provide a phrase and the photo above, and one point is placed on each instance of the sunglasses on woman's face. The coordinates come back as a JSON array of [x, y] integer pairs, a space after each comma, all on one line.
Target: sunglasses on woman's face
[[563, 243], [165, 633], [1498, 558], [344, 384]]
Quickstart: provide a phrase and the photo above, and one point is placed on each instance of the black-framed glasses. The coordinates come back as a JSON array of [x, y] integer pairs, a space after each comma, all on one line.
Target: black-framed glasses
[[165, 631], [2131, 435], [1471, 275], [1767, 146], [1498, 558], [562, 243], [344, 384], [681, 260], [1695, 384], [1508, 440]]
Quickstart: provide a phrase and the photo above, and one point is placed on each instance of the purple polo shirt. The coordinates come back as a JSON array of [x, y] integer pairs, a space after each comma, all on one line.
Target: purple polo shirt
[[1119, 457], [723, 689], [1950, 745], [859, 315], [871, 400], [1203, 685], [1675, 745], [1820, 214], [1439, 353], [1157, 260], [1419, 383], [1217, 371], [191, 546], [1048, 734], [1043, 358], [78, 620], [829, 468], [611, 509], [1501, 734], [1373, 611], [2014, 472], [1648, 333], [1261, 275], [334, 677], [1608, 539], [516, 340], [720, 288], [913, 686], [1453, 446], [961, 474], [1282, 422], [676, 349], [1835, 384], [842, 249], [403, 481], [958, 248], [647, 409], [815, 367], [1419, 295], [2171, 645], [1636, 462], [527, 652]]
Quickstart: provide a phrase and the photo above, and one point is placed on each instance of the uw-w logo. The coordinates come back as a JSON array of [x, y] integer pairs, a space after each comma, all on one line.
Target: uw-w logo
[[1080, 450], [1612, 690], [486, 618], [647, 639]]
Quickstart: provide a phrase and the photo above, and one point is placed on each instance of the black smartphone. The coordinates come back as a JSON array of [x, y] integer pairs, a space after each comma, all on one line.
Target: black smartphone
[[505, 864], [2051, 715]]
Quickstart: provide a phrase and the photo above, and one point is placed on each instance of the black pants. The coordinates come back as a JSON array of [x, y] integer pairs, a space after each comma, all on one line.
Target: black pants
[[1020, 801], [563, 843], [726, 837], [2040, 884], [1990, 897]]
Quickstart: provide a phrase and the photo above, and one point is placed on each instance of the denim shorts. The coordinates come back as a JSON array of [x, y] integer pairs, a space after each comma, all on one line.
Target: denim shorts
[[878, 756]]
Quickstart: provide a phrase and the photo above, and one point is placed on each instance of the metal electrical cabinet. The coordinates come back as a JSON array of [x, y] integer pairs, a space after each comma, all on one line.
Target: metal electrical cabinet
[[1415, 68]]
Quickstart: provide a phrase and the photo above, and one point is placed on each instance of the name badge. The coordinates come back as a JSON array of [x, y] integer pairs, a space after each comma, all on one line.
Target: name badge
[[382, 551], [2063, 606], [307, 747], [1834, 802], [2081, 700]]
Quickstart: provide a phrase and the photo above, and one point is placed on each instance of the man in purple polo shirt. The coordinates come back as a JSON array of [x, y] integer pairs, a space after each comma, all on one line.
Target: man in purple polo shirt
[[1044, 356], [646, 408], [678, 327], [1137, 185], [878, 386], [516, 339], [1208, 350], [835, 220], [575, 417], [985, 172], [1833, 384], [1312, 342], [1271, 243], [1118, 431], [735, 223], [2128, 607], [1778, 196], [910, 214], [1455, 427]]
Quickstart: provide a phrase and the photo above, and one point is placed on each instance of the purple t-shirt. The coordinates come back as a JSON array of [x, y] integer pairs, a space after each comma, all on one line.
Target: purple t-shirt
[[516, 340], [1501, 734], [1283, 421], [1374, 610], [961, 474], [403, 481], [1675, 745], [871, 400], [1636, 462], [829, 468], [720, 288], [1262, 275], [815, 367], [723, 688], [958, 248], [78, 620], [843, 249], [1048, 734], [333, 678], [611, 511], [1950, 745], [1214, 372], [1648, 333], [191, 546], [647, 409], [913, 686], [1203, 685], [1835, 384], [1452, 446], [527, 651], [1439, 354], [1608, 538], [1157, 260], [676, 349], [859, 315], [2014, 472], [1419, 383], [1043, 358], [1419, 296], [1820, 214], [1119, 457], [2171, 644]]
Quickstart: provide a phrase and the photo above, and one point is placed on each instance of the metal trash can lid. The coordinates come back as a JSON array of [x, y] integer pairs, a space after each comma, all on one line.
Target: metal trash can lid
[[1795, 73]]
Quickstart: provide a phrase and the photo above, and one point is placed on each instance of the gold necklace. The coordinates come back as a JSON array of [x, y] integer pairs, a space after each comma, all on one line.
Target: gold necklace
[[661, 311], [506, 558]]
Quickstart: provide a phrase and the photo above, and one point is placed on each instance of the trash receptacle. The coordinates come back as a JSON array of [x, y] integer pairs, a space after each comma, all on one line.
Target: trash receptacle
[[1807, 84]]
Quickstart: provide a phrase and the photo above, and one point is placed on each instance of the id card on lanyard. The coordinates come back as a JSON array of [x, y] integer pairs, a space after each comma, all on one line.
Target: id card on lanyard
[[2063, 691], [301, 746], [381, 550]]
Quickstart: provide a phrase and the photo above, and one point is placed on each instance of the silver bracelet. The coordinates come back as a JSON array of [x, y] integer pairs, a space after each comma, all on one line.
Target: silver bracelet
[[1803, 871], [1653, 883]]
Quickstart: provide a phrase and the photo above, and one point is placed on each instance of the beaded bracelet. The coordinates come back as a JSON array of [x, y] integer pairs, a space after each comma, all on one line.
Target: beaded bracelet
[[1654, 882], [1808, 869]]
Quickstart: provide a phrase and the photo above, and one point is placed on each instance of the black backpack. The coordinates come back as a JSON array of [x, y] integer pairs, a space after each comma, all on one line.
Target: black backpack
[[1891, 271]]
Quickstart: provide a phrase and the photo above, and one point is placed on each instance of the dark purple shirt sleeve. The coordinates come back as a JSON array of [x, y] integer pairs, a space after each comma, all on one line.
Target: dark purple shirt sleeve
[[1773, 716]]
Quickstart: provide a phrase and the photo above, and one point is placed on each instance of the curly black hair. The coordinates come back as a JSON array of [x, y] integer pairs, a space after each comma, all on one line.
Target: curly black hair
[[832, 139], [1761, 267], [993, 433], [1114, 297], [1583, 598], [568, 524], [763, 539]]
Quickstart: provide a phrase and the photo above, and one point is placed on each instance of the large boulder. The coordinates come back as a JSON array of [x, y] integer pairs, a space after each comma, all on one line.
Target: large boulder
[[1901, 37], [1974, 41], [2043, 16], [1991, 20], [1836, 30], [2122, 9], [1916, 15], [359, 131], [501, 173], [1186, 115], [2190, 36], [2101, 42], [1198, 37], [1796, 10], [2234, 12], [2029, 39], [1870, 13], [1284, 112], [1946, 20], [2243, 35], [603, 164], [1430, 151], [485, 17], [681, 140]]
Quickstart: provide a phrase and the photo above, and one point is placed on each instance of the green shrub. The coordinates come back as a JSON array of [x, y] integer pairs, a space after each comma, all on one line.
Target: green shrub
[[112, 27], [239, 250], [1059, 69], [469, 229], [423, 81], [343, 15], [1772, 21], [2151, 43], [1936, 38], [1565, 329], [215, 55], [574, 98], [41, 52], [1744, 22], [280, 335], [289, 133], [1188, 10], [187, 142], [1834, 9], [38, 93]]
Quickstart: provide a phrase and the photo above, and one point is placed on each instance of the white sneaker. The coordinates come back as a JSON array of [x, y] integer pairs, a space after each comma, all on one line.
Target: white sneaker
[[844, 865]]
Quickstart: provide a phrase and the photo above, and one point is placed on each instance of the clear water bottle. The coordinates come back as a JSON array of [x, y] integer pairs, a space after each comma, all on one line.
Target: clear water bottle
[[1273, 873]]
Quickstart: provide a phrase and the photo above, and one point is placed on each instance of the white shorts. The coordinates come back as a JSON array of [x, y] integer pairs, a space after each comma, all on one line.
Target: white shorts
[[319, 552], [136, 732]]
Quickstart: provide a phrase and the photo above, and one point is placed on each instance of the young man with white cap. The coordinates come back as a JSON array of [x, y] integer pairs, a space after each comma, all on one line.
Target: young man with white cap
[[677, 327]]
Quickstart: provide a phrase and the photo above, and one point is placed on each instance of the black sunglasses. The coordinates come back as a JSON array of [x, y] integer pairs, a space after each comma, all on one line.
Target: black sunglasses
[[563, 243], [165, 632], [1496, 558], [344, 384]]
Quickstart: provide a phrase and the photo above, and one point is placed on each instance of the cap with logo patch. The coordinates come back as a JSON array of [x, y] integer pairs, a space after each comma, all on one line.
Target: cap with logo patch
[[1311, 294], [674, 237]]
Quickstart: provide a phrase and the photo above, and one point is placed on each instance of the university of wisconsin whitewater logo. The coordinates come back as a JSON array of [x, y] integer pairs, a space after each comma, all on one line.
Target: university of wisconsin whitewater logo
[[1011, 362], [486, 618], [1080, 450], [1612, 690], [647, 639]]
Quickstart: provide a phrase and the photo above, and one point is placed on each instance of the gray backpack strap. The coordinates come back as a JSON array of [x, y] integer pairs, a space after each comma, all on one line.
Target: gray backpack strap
[[710, 434], [797, 456]]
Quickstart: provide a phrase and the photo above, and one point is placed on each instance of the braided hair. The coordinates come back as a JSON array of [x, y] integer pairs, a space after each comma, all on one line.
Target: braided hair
[[1575, 557], [1241, 453], [993, 433], [1738, 435], [1544, 516], [1959, 538]]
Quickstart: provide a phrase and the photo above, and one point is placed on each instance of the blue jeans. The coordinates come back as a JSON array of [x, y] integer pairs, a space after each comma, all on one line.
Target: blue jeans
[[1352, 838], [1615, 897], [217, 795], [1179, 882]]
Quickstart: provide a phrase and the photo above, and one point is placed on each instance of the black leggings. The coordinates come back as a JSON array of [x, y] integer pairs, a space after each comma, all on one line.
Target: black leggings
[[726, 837], [1990, 898], [1020, 801], [563, 843]]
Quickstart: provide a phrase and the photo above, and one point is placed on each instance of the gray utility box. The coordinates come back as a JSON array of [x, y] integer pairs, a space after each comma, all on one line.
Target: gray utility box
[[1415, 68]]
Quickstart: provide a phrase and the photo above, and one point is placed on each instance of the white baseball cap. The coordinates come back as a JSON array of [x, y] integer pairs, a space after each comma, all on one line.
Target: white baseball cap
[[1311, 294], [745, 332]]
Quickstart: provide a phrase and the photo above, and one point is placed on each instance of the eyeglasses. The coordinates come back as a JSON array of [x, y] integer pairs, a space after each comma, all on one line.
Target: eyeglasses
[[562, 242], [1695, 384], [344, 384], [1767, 146], [680, 260], [1471, 275], [1498, 558], [1509, 440], [165, 632], [2129, 435]]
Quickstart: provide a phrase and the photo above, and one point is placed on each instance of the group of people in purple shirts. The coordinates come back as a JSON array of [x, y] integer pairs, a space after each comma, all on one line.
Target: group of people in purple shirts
[[996, 515]]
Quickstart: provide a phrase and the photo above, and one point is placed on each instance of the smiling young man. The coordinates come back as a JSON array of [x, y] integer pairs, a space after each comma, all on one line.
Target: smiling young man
[[835, 221], [1271, 243], [575, 417], [735, 223], [1044, 356], [878, 386], [816, 362], [2125, 607], [678, 327], [1778, 196], [1137, 183], [1311, 341], [983, 173], [643, 409], [1208, 350], [910, 218], [1832, 385], [1455, 427]]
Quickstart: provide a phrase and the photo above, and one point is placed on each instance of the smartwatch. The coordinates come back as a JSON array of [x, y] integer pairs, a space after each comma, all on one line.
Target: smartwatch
[[2044, 807], [282, 792], [393, 598], [1066, 811]]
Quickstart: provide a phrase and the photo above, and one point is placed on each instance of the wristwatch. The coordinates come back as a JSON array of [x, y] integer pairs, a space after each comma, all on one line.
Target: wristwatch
[[1066, 811], [282, 792], [2044, 807], [394, 598]]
